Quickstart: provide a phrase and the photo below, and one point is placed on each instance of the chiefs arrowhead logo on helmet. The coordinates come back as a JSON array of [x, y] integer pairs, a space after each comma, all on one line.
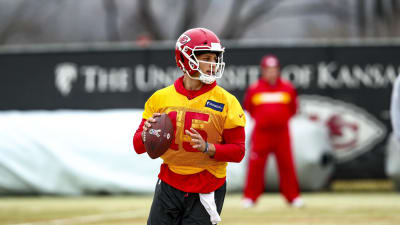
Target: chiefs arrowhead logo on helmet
[[184, 39]]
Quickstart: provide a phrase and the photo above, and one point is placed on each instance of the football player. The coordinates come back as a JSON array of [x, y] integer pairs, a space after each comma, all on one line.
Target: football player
[[209, 132]]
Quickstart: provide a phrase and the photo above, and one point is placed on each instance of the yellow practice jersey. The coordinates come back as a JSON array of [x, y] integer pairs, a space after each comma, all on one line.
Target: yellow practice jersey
[[209, 113]]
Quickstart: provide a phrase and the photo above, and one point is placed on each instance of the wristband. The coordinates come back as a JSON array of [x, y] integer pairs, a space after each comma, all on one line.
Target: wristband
[[206, 149]]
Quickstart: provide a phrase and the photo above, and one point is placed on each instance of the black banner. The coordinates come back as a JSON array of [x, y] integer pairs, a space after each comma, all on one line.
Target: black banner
[[347, 88]]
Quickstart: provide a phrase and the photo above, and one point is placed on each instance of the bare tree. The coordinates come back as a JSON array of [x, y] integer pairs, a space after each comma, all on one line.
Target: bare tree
[[111, 12], [11, 24], [24, 20], [190, 15], [361, 20], [373, 18], [383, 16], [239, 22], [233, 18], [148, 20]]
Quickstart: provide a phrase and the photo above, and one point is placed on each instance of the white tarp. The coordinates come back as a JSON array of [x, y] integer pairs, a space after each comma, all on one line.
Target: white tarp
[[72, 152]]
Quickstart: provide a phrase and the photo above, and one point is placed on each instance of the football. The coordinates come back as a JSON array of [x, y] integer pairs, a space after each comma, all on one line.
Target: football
[[159, 137]]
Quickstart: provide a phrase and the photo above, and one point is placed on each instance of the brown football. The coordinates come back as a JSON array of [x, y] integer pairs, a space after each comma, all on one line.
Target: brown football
[[159, 137]]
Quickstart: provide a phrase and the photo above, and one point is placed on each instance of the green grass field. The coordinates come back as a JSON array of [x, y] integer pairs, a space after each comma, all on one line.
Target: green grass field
[[328, 208]]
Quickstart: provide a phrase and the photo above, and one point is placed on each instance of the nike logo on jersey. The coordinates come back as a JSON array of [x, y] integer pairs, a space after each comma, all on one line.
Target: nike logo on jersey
[[215, 105]]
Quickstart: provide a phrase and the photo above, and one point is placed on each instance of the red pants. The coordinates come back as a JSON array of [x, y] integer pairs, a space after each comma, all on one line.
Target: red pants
[[264, 143]]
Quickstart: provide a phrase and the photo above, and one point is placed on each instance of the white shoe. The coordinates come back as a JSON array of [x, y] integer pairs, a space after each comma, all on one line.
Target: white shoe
[[297, 203], [247, 203]]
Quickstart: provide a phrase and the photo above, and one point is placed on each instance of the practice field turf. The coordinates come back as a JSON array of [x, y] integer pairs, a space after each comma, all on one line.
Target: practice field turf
[[332, 208]]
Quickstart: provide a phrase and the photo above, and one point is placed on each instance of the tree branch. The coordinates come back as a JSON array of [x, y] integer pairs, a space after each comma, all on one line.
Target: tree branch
[[147, 19], [188, 16], [111, 24], [234, 15], [13, 22], [255, 13]]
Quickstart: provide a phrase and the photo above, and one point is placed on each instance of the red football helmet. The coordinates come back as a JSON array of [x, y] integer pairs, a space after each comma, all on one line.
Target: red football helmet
[[196, 40]]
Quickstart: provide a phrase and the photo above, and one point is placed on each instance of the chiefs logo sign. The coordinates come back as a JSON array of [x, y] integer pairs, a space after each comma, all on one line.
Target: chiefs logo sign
[[353, 131]]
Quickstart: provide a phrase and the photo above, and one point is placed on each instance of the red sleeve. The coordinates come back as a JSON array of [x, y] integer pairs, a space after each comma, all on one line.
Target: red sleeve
[[247, 101], [294, 103], [137, 139], [233, 148]]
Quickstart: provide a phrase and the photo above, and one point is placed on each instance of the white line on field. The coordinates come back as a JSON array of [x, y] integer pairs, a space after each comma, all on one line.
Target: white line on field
[[90, 218]]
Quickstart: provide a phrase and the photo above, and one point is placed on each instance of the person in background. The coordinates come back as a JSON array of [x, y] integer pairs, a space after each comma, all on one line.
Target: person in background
[[271, 102], [209, 132], [395, 109]]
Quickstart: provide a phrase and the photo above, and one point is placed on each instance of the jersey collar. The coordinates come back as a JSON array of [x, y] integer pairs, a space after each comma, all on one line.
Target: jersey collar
[[192, 94]]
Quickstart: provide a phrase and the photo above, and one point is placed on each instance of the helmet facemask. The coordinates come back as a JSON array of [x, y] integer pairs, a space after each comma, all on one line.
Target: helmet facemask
[[216, 68]]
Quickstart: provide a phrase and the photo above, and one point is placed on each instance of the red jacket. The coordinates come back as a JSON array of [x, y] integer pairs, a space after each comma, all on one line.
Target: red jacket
[[271, 106]]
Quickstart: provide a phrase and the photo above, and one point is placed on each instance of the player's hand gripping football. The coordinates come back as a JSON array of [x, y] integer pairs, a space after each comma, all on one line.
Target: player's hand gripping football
[[198, 142], [147, 123]]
